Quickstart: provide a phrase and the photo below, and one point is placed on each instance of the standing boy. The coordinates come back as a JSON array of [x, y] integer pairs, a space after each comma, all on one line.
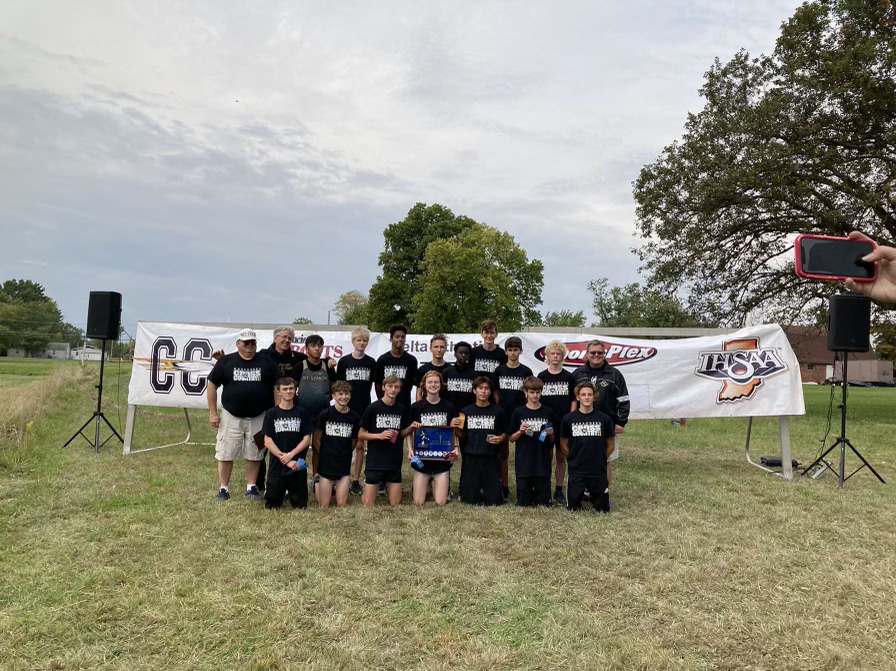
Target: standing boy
[[480, 439], [437, 347], [287, 435], [384, 423], [399, 363], [459, 377], [557, 395], [532, 461], [486, 357], [510, 396], [316, 377], [358, 369], [335, 439], [587, 438]]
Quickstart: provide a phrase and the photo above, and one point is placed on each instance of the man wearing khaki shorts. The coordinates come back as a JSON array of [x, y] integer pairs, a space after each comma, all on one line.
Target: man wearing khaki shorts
[[248, 381]]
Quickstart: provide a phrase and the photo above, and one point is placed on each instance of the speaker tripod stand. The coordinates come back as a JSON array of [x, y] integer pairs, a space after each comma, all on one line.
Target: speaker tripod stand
[[842, 441], [97, 414]]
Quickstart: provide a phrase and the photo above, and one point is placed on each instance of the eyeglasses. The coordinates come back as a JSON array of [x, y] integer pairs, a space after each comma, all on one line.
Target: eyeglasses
[[249, 342], [596, 353]]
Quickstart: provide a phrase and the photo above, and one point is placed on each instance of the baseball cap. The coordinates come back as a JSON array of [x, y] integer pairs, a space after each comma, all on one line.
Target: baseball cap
[[246, 334]]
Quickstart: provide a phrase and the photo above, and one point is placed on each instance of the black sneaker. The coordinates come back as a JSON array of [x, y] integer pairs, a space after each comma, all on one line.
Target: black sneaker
[[253, 494], [382, 491], [222, 496], [586, 496], [355, 488], [559, 497]]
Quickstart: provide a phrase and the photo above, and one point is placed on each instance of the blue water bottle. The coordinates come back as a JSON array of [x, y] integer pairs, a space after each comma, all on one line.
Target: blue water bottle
[[543, 436]]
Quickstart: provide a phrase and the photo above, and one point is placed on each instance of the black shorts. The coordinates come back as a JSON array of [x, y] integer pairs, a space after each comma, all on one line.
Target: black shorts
[[432, 467], [332, 476], [597, 487], [377, 477]]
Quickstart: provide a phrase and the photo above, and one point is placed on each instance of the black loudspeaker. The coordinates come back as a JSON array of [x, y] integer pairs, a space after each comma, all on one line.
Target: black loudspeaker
[[104, 315], [849, 323]]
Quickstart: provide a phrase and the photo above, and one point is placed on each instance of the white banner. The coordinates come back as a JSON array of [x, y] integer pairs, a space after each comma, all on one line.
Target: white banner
[[750, 373]]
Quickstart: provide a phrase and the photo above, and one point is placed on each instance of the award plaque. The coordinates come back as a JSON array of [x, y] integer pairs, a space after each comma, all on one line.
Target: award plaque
[[434, 442]]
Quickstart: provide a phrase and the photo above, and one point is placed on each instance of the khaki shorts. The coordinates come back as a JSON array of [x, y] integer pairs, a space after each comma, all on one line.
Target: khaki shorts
[[236, 440]]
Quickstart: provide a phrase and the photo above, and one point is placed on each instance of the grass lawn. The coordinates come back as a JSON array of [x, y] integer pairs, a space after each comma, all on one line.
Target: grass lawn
[[110, 562]]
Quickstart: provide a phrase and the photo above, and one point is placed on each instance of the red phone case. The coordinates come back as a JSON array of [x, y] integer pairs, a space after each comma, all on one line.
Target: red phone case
[[812, 276]]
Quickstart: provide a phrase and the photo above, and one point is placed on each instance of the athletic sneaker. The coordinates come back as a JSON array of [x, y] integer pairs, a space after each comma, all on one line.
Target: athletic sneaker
[[222, 496], [355, 488], [382, 491], [559, 497], [253, 494]]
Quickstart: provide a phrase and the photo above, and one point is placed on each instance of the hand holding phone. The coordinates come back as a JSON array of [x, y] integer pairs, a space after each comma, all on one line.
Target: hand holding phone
[[883, 289], [824, 257]]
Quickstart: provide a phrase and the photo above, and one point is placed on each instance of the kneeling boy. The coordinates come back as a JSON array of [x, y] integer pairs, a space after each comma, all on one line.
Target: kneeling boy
[[383, 423], [287, 435], [335, 439], [587, 438], [481, 438]]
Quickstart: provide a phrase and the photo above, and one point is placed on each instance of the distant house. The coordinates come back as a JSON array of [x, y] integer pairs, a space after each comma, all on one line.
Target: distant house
[[810, 344], [53, 350], [87, 353]]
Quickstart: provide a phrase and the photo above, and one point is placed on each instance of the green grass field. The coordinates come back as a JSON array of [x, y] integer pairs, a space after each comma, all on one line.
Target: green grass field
[[110, 562]]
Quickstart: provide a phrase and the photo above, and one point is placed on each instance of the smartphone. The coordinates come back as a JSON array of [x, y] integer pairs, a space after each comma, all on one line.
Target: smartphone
[[823, 257]]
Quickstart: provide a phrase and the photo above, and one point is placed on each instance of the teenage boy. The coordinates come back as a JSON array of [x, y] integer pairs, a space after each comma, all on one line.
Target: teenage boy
[[316, 377], [431, 411], [399, 363], [437, 347], [248, 381], [481, 437], [587, 438], [486, 358], [358, 369], [459, 377], [557, 395], [611, 391], [287, 435], [532, 461], [384, 424], [510, 396], [335, 440]]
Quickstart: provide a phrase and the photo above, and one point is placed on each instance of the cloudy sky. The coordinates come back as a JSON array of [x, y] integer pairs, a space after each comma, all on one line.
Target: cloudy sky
[[238, 161]]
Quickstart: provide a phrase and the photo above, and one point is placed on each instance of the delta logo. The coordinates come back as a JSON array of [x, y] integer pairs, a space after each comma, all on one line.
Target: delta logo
[[617, 355], [742, 366]]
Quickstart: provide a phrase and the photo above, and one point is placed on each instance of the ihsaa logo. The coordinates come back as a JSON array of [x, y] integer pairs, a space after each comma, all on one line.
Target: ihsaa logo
[[741, 367]]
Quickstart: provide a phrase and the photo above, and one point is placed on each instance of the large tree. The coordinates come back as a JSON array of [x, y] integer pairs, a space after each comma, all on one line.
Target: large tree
[[392, 295], [633, 305], [801, 141], [564, 318], [482, 273], [28, 317], [351, 308]]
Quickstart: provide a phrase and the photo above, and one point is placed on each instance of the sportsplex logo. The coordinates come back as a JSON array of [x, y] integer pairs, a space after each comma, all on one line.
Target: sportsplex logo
[[741, 366], [617, 355]]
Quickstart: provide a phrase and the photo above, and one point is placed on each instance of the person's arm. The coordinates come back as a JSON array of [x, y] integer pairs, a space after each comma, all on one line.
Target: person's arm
[[364, 434], [611, 445], [564, 446], [883, 289], [301, 447], [211, 396], [623, 405], [315, 440], [272, 447]]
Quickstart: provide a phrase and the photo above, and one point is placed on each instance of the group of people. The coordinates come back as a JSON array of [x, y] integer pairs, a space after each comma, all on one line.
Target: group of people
[[289, 405]]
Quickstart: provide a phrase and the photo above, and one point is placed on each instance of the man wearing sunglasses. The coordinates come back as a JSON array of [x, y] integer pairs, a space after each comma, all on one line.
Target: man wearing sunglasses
[[612, 393], [248, 381]]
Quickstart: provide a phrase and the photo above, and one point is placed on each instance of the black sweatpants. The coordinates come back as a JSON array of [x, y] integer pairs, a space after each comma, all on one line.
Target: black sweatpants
[[533, 490], [480, 480], [597, 487], [296, 483]]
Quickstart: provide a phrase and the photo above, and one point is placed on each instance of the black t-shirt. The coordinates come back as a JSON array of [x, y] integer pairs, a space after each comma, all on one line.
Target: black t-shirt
[[289, 363], [384, 455], [459, 385], [359, 374], [425, 368], [557, 392], [587, 435], [532, 457], [433, 414], [510, 385], [403, 367], [286, 428], [248, 384], [479, 424], [485, 362], [314, 386], [338, 432]]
